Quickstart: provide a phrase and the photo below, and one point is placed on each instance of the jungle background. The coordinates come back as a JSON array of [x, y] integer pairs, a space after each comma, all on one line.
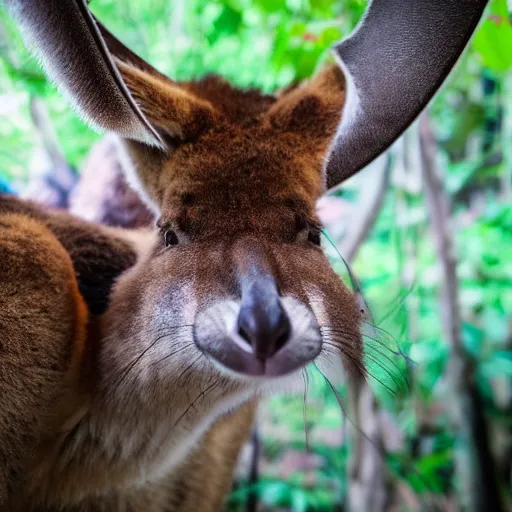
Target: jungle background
[[426, 231]]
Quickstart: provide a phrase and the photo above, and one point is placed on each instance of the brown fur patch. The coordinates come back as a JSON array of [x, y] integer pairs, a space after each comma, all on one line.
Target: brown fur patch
[[237, 105], [42, 334], [98, 258], [206, 477], [252, 149], [312, 108]]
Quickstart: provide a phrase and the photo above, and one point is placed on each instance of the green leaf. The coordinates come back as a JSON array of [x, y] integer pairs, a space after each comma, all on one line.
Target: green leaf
[[493, 40], [271, 6], [228, 22], [276, 493], [500, 364], [299, 501], [330, 35], [297, 29]]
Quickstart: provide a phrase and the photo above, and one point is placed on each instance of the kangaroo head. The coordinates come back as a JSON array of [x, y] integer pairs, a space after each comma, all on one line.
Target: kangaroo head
[[235, 274], [233, 177], [235, 198]]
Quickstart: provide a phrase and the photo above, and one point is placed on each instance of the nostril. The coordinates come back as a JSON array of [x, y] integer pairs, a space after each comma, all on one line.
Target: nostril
[[283, 335], [243, 334], [282, 330], [281, 342], [266, 330]]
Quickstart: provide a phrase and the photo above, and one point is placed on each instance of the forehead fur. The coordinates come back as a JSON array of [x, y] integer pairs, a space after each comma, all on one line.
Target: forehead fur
[[244, 151]]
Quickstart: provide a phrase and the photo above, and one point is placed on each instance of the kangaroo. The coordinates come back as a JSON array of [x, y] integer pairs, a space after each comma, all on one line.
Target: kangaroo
[[131, 362]]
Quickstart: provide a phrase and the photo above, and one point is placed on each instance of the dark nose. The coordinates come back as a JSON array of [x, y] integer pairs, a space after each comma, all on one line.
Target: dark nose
[[262, 321]]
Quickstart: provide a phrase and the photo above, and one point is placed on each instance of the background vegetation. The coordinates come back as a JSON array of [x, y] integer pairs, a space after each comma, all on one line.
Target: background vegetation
[[426, 230]]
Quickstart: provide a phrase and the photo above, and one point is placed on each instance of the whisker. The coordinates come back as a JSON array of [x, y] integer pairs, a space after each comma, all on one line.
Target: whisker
[[189, 367], [379, 449], [183, 347], [305, 377], [209, 388], [399, 384], [362, 368], [165, 328], [134, 362], [334, 349], [369, 354], [353, 355], [367, 319], [399, 303], [369, 342], [351, 333], [402, 374], [399, 351], [366, 311], [360, 297], [366, 340], [380, 329], [339, 399]]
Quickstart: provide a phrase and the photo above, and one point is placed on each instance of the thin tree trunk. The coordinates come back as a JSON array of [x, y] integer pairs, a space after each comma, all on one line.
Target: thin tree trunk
[[367, 482], [53, 183], [408, 249], [478, 489], [368, 210], [50, 142], [252, 498], [368, 489]]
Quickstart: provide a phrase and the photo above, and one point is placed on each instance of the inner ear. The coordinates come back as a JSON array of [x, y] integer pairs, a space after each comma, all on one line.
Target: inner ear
[[312, 108], [171, 108], [176, 113]]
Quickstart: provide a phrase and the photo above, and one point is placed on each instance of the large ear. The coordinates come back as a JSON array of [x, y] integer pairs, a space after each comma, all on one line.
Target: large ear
[[394, 63], [110, 86], [312, 108]]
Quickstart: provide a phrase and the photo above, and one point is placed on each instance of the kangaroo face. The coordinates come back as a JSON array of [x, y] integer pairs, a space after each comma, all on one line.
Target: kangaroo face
[[237, 256]]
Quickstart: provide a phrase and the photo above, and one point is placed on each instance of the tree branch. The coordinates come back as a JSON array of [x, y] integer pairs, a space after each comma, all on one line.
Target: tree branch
[[368, 210], [475, 468], [252, 498], [55, 183], [368, 483]]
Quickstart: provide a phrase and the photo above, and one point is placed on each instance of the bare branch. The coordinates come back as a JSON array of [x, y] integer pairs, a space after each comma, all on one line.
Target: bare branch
[[44, 126], [475, 468], [370, 204], [368, 482], [252, 498], [53, 183]]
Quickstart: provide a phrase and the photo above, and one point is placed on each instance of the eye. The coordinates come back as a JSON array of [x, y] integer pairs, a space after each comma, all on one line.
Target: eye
[[314, 237], [170, 238]]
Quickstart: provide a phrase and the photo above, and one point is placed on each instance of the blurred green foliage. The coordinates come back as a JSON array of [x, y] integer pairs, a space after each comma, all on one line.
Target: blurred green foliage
[[269, 44]]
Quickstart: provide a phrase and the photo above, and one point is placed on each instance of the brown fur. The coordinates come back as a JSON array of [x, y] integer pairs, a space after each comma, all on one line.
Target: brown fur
[[284, 140], [209, 470], [97, 257], [172, 108], [42, 328], [239, 188]]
